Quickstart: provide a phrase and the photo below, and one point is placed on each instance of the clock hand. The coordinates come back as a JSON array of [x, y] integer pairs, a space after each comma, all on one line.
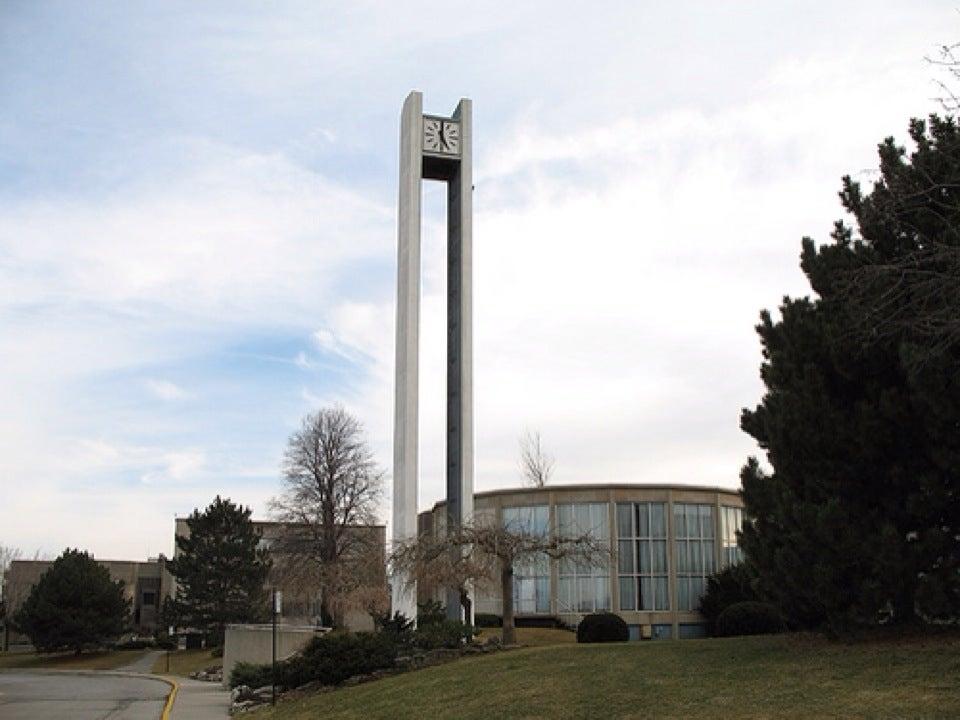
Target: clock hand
[[443, 140]]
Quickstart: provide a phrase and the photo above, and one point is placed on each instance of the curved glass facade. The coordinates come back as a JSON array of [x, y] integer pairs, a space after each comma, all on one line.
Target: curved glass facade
[[664, 542]]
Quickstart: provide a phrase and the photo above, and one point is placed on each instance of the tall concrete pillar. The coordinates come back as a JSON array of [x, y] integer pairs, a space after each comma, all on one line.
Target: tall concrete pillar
[[434, 148]]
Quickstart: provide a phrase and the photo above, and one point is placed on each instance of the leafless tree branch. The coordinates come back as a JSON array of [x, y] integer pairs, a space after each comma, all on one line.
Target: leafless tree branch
[[481, 553], [536, 465]]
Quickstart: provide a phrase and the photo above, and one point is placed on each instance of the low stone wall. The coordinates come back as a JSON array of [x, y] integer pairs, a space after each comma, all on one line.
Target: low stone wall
[[254, 644]]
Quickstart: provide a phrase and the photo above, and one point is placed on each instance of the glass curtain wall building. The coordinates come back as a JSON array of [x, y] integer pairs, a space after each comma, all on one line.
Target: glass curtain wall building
[[664, 542]]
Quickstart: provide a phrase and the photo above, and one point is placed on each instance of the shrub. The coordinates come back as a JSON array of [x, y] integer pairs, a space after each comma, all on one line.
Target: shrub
[[397, 627], [602, 627], [443, 634], [749, 618], [487, 620], [251, 674], [430, 613], [731, 585], [167, 643], [134, 644], [217, 652], [74, 605], [330, 659]]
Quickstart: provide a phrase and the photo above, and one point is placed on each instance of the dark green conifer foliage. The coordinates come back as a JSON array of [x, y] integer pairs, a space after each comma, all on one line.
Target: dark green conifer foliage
[[220, 571], [74, 606], [859, 520]]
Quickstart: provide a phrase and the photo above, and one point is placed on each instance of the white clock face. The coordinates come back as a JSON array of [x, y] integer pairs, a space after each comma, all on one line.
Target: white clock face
[[441, 136]]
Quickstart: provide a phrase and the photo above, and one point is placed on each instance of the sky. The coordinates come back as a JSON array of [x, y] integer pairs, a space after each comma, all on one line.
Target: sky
[[198, 233]]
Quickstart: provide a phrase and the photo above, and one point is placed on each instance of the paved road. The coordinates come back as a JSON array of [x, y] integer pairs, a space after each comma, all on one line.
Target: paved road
[[26, 695]]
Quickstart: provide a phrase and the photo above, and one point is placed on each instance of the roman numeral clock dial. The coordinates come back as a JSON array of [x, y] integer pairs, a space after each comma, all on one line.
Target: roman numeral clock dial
[[441, 136]]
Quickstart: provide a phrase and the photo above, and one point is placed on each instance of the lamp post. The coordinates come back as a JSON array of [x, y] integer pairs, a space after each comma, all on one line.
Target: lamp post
[[169, 637], [277, 607]]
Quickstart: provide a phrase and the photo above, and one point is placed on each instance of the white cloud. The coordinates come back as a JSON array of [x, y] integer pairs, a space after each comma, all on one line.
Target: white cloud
[[166, 390]]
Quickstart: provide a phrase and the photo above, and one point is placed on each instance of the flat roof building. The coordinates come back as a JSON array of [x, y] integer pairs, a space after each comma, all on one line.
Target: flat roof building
[[145, 584]]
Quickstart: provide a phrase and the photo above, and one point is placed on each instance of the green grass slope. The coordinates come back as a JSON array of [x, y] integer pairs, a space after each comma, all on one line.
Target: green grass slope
[[761, 677]]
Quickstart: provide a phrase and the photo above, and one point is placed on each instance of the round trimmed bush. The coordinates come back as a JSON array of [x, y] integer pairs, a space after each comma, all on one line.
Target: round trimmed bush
[[602, 627], [749, 618]]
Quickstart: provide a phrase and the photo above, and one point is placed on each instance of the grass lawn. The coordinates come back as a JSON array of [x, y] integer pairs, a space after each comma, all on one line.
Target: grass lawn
[[184, 662], [94, 660], [786, 676], [533, 637]]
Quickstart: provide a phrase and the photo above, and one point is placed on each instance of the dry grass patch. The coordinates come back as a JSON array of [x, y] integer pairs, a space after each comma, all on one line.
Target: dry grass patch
[[94, 660], [184, 662]]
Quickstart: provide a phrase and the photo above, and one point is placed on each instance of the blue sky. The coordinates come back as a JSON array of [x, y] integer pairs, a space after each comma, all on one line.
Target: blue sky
[[197, 232]]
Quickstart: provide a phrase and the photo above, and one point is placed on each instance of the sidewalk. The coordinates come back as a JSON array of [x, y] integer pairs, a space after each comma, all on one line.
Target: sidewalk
[[198, 700], [144, 665]]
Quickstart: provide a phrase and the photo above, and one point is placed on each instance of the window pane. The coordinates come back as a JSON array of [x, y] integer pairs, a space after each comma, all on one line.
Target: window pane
[[662, 594], [601, 593], [658, 520], [696, 591], [625, 561], [542, 520], [693, 520], [643, 556], [581, 514], [679, 525], [628, 589], [706, 521], [646, 593], [585, 589], [543, 594], [696, 558], [565, 595], [564, 520], [624, 520], [708, 557], [599, 516], [683, 593], [681, 556], [660, 556], [643, 520]]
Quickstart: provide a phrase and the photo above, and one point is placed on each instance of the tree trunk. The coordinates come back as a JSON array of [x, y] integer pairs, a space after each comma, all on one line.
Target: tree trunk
[[467, 606], [506, 589]]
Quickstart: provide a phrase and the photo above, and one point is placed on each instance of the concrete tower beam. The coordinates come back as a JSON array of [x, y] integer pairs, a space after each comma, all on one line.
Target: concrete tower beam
[[434, 148]]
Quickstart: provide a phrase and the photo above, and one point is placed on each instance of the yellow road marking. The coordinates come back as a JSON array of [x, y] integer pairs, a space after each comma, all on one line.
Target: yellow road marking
[[168, 706]]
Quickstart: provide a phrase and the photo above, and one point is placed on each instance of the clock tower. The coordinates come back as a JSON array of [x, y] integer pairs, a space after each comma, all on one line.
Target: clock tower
[[434, 148]]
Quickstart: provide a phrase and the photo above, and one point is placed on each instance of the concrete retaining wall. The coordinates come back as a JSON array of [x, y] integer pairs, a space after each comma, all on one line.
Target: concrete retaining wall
[[254, 644]]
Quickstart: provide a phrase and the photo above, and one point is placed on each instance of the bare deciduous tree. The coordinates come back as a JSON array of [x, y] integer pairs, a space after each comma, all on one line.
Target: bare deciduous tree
[[536, 465], [7, 556], [481, 554], [331, 490]]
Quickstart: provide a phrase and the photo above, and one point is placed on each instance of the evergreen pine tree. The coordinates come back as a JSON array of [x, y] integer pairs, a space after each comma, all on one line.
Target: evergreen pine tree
[[220, 571], [75, 605], [859, 520]]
